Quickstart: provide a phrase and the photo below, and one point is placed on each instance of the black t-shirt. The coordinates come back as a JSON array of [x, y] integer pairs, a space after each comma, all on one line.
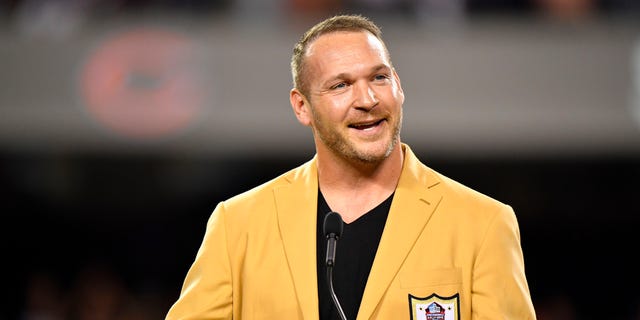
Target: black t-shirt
[[355, 252]]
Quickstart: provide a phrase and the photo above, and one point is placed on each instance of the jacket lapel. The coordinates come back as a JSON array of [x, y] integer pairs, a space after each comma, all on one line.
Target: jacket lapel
[[296, 205], [414, 202]]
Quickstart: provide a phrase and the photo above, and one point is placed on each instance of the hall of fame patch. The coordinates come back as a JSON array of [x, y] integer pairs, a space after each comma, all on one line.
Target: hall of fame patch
[[435, 307]]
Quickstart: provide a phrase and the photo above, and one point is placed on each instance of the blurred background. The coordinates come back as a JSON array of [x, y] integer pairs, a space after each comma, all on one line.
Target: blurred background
[[124, 122]]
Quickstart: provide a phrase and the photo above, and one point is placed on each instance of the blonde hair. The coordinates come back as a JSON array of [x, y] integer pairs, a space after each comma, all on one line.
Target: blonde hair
[[333, 24]]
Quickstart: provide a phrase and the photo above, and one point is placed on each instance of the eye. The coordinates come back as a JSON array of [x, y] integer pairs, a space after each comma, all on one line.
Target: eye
[[339, 85], [381, 77]]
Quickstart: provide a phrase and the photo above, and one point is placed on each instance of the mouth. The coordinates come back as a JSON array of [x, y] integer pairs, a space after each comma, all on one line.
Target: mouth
[[365, 125]]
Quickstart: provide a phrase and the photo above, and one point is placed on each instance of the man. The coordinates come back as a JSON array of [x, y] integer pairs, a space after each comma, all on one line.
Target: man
[[416, 245]]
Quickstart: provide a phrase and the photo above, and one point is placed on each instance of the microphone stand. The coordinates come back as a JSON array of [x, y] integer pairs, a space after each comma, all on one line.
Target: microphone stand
[[333, 293]]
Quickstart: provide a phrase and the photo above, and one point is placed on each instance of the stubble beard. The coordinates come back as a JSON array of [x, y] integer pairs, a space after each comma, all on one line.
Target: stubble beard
[[343, 147]]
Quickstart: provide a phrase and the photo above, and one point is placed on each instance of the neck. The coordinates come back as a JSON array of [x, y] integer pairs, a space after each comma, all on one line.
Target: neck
[[353, 187]]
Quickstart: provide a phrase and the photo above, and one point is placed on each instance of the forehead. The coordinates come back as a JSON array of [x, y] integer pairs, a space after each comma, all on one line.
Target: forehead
[[347, 47]]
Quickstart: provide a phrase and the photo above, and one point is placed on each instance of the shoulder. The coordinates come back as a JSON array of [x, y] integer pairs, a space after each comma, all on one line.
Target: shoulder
[[475, 214], [462, 193], [261, 197], [456, 197]]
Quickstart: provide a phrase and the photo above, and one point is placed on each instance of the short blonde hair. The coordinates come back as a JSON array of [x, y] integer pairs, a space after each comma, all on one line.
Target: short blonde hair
[[333, 24]]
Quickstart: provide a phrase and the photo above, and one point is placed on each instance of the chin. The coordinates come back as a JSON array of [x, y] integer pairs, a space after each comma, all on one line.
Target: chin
[[375, 155]]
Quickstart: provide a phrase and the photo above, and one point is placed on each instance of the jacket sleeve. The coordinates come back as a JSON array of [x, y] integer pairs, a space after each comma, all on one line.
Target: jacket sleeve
[[500, 289], [207, 289]]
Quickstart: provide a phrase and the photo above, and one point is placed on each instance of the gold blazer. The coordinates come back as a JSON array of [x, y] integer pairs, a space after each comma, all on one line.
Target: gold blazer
[[445, 249]]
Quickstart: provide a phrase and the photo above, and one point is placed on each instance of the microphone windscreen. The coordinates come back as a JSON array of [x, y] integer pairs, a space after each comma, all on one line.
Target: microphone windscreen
[[333, 224]]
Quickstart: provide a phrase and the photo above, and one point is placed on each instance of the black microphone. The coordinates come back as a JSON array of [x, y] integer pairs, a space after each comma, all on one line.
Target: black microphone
[[332, 228]]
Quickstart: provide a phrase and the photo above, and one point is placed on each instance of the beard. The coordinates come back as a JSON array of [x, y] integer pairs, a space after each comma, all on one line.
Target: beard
[[342, 145]]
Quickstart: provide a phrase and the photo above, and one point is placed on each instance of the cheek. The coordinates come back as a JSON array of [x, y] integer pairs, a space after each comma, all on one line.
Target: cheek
[[334, 109], [397, 96]]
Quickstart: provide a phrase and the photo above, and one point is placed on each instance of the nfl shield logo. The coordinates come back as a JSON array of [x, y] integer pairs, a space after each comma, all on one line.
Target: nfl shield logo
[[435, 307]]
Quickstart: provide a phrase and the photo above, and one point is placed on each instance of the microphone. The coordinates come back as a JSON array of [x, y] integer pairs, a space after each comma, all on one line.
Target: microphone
[[332, 228]]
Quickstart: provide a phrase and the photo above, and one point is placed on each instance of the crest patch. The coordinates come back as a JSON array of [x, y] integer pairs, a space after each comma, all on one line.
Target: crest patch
[[435, 307]]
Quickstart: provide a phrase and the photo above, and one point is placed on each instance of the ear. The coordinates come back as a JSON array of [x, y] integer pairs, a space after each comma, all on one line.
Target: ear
[[300, 107]]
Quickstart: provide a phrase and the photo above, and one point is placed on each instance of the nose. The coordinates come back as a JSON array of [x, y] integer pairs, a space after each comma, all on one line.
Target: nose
[[365, 96]]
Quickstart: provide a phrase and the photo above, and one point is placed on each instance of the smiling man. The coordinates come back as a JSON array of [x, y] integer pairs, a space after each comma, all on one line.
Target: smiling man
[[415, 244]]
